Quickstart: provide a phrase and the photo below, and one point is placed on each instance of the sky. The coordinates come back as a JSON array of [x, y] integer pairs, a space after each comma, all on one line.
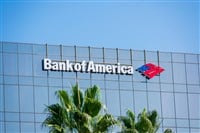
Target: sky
[[164, 25]]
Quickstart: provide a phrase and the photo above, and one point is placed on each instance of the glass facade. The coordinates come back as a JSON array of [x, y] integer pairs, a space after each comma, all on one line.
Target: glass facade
[[25, 88]]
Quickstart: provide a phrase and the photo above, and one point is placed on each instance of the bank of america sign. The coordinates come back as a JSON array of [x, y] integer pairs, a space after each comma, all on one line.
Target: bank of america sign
[[84, 66]]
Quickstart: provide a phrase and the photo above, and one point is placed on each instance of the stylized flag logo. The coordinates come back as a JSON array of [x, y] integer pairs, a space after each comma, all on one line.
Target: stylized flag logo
[[150, 70]]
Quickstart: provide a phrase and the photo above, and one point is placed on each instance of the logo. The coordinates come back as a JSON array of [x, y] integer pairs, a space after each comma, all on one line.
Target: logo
[[150, 70]]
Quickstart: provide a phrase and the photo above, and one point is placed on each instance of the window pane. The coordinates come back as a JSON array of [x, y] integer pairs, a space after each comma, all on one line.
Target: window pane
[[167, 87], [27, 117], [12, 127], [140, 101], [191, 58], [192, 74], [177, 57], [154, 101], [27, 127], [1, 98], [168, 105], [39, 49], [126, 86], [25, 64], [182, 123], [166, 75], [181, 105], [179, 73], [26, 99], [12, 116], [194, 106], [1, 64], [180, 88], [96, 52], [11, 98], [165, 57], [126, 101], [153, 87], [138, 55], [37, 66], [151, 56], [169, 122], [124, 55], [68, 51], [110, 53], [193, 89], [41, 98], [10, 47], [140, 86], [113, 108], [11, 80], [53, 50], [10, 64], [112, 85], [82, 52], [25, 80], [25, 48]]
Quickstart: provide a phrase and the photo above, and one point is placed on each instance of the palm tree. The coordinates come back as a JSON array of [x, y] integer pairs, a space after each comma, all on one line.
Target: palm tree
[[79, 112], [147, 122]]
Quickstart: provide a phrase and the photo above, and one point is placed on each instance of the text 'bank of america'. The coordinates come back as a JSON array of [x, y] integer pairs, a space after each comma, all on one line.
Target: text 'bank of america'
[[84, 66]]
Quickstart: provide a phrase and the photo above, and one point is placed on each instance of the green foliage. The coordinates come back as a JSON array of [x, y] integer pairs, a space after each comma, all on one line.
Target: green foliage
[[79, 112]]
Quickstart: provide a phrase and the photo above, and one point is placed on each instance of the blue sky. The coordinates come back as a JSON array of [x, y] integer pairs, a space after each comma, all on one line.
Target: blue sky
[[171, 26]]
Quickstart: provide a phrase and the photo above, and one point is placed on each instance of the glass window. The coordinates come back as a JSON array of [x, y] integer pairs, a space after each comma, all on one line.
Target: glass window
[[126, 86], [138, 55], [112, 85], [111, 77], [167, 87], [177, 57], [154, 101], [83, 75], [125, 77], [165, 57], [11, 80], [27, 117], [41, 98], [12, 127], [124, 54], [40, 117], [1, 64], [195, 124], [194, 106], [1, 116], [68, 51], [26, 99], [180, 88], [82, 52], [40, 129], [195, 130], [151, 56], [169, 122], [168, 105], [10, 64], [166, 75], [10, 47], [39, 49], [12, 117], [98, 76], [25, 48], [140, 86], [25, 80], [110, 53], [183, 130], [40, 81], [53, 49], [137, 76], [140, 101], [98, 83], [126, 101], [37, 66], [181, 105], [11, 98], [27, 127], [96, 52], [51, 96], [192, 74], [193, 89], [1, 98], [84, 83], [179, 73], [153, 87], [113, 107], [1, 46], [182, 122], [103, 96], [191, 58], [71, 75], [25, 64], [56, 74]]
